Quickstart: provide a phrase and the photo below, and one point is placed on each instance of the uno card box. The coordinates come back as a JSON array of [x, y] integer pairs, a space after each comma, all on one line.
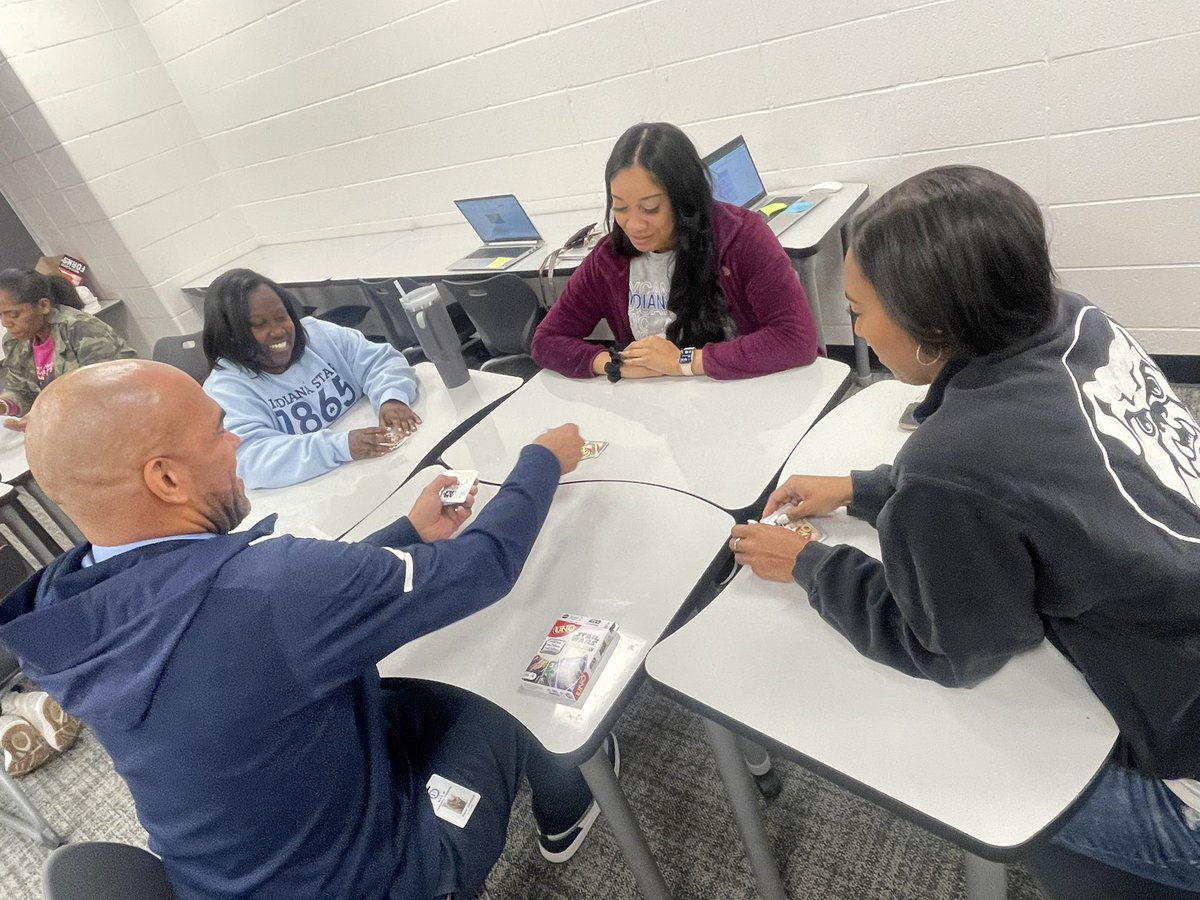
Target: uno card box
[[569, 657], [70, 268]]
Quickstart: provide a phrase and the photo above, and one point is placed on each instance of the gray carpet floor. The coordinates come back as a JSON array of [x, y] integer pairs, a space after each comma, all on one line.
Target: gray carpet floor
[[830, 844]]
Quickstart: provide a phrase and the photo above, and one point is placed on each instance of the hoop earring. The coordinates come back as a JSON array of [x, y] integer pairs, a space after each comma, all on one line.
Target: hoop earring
[[932, 362]]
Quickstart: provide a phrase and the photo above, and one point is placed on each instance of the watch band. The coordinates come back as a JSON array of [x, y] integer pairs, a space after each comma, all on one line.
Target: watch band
[[685, 360]]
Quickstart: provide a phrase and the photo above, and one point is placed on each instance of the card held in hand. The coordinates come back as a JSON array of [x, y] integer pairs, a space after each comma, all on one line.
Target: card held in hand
[[457, 494], [593, 449]]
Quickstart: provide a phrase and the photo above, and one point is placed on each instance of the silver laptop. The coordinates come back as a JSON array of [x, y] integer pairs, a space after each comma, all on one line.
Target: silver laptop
[[735, 180], [505, 229]]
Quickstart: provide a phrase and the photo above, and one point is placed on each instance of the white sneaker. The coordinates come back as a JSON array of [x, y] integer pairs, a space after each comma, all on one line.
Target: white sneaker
[[24, 749], [57, 727], [558, 848]]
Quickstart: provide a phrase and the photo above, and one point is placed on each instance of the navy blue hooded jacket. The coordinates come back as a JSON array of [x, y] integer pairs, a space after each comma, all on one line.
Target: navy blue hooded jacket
[[234, 685]]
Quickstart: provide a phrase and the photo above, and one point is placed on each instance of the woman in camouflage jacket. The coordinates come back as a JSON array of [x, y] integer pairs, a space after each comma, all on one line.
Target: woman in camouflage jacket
[[48, 334]]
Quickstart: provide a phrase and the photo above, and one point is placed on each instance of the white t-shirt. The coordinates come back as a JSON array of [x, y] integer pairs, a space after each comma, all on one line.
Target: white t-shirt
[[649, 290]]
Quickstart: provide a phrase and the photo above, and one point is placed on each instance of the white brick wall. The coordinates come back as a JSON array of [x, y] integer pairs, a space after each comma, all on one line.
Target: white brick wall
[[173, 134], [102, 160]]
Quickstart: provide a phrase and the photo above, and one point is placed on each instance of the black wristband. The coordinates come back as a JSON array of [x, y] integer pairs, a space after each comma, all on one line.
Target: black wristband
[[612, 368]]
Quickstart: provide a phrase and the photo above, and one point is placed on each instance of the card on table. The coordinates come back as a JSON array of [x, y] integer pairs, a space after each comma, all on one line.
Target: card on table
[[457, 494]]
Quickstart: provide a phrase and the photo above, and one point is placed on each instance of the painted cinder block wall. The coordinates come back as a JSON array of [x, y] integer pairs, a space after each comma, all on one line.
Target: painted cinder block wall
[[160, 138]]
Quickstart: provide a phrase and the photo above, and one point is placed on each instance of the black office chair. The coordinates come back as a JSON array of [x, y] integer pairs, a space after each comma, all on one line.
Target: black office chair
[[384, 296], [100, 870], [385, 300], [183, 351], [340, 303], [506, 312], [1063, 875]]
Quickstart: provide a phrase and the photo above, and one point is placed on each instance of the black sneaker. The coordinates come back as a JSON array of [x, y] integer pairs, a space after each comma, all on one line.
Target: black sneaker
[[558, 848]]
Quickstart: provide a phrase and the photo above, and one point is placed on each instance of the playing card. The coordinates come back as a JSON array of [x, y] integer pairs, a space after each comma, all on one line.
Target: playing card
[[593, 448], [451, 802], [804, 526], [457, 494], [782, 516], [779, 517], [393, 438]]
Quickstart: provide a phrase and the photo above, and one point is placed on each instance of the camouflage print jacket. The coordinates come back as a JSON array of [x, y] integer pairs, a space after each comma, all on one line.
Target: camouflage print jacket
[[79, 340]]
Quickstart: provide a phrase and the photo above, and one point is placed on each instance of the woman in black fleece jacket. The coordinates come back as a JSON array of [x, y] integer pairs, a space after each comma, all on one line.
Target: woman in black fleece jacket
[[1050, 491]]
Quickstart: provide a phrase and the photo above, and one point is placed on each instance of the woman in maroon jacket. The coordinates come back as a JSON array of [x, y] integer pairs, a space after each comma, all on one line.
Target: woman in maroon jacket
[[688, 285]]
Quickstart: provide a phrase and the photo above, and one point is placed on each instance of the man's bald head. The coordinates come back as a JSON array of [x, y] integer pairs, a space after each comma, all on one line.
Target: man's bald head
[[94, 432]]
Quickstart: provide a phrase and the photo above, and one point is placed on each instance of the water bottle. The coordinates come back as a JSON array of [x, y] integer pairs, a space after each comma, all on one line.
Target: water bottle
[[426, 311]]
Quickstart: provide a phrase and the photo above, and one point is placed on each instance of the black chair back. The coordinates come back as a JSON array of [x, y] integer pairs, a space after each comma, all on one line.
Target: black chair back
[[183, 351], [504, 310], [101, 870]]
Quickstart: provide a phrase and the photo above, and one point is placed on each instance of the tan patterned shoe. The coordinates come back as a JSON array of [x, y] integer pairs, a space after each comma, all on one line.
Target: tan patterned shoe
[[43, 712], [24, 749]]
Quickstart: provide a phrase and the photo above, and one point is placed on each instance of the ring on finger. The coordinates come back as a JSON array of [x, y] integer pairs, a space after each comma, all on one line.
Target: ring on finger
[[736, 541]]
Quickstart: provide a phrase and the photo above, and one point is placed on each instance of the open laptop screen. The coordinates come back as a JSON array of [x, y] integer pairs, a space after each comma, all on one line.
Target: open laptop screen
[[498, 218], [734, 178]]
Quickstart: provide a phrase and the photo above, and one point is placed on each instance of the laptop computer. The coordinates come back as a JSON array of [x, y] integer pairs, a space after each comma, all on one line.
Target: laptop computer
[[505, 229], [735, 180]]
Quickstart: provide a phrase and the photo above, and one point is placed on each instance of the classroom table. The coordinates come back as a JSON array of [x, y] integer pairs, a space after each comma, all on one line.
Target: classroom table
[[722, 441], [627, 562], [823, 229], [420, 253], [330, 504], [991, 768]]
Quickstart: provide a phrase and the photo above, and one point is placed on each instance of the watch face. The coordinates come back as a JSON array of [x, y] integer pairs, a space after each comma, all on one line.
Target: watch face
[[685, 356]]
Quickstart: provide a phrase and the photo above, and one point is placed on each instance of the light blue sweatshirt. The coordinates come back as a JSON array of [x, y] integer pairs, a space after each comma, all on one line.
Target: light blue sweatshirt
[[283, 420]]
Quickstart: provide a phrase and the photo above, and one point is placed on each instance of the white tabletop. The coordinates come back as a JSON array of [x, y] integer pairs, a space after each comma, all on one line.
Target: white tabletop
[[719, 440], [12, 454], [424, 252], [421, 253], [996, 763], [804, 236], [633, 568], [330, 504]]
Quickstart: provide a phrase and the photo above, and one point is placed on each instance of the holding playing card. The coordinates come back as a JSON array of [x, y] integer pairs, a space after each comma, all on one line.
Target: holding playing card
[[593, 449], [457, 494], [786, 517]]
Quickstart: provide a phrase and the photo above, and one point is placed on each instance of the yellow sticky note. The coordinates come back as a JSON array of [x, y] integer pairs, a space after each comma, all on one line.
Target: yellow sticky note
[[499, 262], [771, 208]]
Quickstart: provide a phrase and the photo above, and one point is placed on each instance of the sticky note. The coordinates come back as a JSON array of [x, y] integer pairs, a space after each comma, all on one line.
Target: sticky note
[[499, 262], [771, 208]]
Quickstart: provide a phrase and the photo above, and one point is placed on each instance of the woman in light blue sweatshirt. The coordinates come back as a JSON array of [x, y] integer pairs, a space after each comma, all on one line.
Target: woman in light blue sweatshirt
[[283, 381]]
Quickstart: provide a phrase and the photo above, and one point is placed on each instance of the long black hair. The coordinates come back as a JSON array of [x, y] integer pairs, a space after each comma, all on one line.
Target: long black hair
[[227, 320], [671, 159], [959, 258], [28, 286]]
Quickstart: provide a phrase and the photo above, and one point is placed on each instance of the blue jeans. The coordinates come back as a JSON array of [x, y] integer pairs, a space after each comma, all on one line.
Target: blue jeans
[[1134, 822]]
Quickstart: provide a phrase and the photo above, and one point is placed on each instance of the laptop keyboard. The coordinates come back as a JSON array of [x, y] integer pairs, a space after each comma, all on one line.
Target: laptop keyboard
[[493, 252]]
